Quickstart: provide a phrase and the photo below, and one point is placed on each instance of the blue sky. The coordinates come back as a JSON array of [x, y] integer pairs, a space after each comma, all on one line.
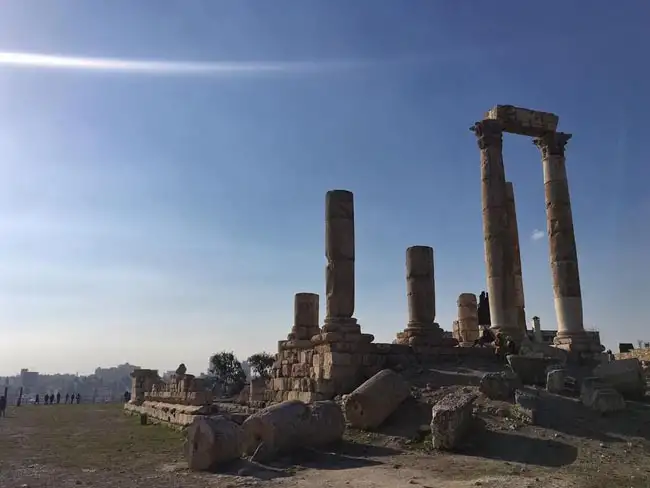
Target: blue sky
[[156, 213]]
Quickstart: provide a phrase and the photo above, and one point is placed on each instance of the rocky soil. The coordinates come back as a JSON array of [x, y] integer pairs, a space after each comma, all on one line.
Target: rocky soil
[[96, 445]]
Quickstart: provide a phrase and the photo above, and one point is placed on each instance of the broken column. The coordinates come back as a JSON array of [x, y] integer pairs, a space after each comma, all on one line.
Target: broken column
[[305, 318], [468, 330], [498, 250], [421, 330], [516, 250], [563, 254]]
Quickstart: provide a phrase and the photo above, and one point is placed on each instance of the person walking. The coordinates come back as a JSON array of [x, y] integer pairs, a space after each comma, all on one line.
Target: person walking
[[58, 397], [36, 400], [67, 397], [3, 406], [46, 399], [78, 398]]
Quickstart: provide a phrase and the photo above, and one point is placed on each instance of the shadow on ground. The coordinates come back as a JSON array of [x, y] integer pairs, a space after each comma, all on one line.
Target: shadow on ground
[[569, 416], [348, 455], [514, 447]]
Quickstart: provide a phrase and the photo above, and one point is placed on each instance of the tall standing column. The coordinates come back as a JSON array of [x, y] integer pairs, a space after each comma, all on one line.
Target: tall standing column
[[421, 329], [339, 251], [498, 250], [563, 254], [516, 250]]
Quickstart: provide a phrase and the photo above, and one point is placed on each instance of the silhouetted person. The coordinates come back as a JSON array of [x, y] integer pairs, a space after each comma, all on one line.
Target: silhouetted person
[[126, 396], [3, 406], [485, 339], [46, 399], [36, 400], [67, 397], [78, 398], [484, 309], [58, 397]]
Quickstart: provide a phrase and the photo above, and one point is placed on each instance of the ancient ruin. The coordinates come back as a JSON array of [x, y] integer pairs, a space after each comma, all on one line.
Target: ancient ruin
[[323, 362], [503, 265]]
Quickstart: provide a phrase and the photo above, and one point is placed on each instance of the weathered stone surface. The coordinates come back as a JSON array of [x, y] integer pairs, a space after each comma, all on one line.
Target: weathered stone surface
[[555, 380], [499, 386], [213, 441], [599, 396], [624, 375], [451, 420], [276, 429], [142, 381], [326, 423], [467, 329], [511, 210], [531, 370], [499, 259], [372, 402], [420, 285], [339, 251], [527, 404], [523, 121]]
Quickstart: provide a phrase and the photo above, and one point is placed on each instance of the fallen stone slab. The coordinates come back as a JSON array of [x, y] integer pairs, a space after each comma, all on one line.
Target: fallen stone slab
[[625, 376], [212, 441], [451, 420], [530, 369], [372, 402], [555, 381], [599, 396], [499, 386]]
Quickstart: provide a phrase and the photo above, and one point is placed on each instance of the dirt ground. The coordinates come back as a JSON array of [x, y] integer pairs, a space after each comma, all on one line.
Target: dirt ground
[[97, 445]]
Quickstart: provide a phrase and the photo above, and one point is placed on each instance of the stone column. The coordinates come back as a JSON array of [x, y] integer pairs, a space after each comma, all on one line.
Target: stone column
[[516, 250], [142, 381], [468, 317], [499, 260], [537, 330], [339, 251], [421, 295], [305, 318], [563, 254]]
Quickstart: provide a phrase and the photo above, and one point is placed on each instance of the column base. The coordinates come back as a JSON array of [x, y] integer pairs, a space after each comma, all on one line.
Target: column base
[[344, 325], [578, 342], [418, 334]]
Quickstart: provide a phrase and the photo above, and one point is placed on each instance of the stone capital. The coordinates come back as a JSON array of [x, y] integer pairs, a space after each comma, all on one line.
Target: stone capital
[[552, 143], [488, 132]]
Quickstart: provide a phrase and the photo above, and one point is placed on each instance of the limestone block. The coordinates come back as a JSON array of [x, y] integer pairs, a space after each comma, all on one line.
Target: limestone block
[[499, 386], [599, 396], [451, 420], [280, 428], [326, 423], [624, 375], [555, 381], [213, 441], [531, 370], [523, 121], [372, 402]]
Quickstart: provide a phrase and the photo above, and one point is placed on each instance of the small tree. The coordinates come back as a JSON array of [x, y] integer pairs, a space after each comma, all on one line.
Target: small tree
[[227, 371], [261, 363]]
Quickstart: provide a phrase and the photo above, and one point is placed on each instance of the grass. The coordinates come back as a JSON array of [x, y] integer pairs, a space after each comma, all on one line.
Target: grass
[[87, 437]]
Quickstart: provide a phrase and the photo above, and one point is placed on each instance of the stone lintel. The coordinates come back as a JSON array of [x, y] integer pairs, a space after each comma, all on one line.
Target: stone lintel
[[523, 121]]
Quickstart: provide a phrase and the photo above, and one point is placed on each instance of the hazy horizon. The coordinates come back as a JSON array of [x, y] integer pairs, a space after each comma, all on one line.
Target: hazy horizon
[[165, 166]]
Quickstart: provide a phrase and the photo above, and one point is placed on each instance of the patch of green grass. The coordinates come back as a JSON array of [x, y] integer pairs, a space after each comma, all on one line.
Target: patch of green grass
[[84, 436]]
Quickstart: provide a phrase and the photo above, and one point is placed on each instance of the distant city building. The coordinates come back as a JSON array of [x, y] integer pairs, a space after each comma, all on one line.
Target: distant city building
[[28, 379]]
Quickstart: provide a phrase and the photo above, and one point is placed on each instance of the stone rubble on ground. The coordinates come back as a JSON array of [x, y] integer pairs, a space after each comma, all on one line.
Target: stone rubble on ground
[[599, 396], [451, 420]]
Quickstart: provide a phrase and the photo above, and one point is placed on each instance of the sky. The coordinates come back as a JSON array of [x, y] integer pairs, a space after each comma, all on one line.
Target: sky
[[164, 165]]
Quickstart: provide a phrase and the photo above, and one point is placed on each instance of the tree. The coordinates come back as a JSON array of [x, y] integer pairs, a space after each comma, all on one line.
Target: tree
[[261, 363], [227, 371]]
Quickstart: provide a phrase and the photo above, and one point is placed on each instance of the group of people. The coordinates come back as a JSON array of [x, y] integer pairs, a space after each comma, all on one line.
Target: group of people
[[503, 344], [50, 399]]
